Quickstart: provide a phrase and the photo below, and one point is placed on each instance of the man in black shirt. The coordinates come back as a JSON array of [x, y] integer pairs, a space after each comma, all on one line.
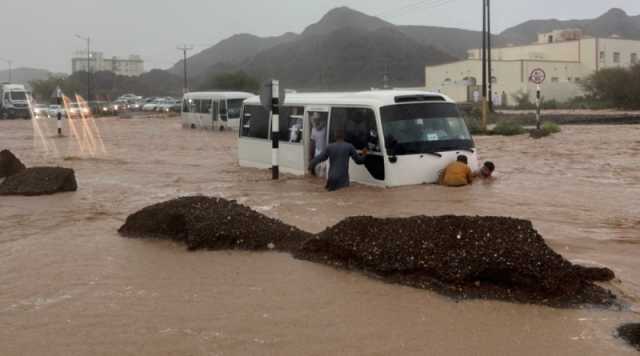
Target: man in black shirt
[[338, 154]]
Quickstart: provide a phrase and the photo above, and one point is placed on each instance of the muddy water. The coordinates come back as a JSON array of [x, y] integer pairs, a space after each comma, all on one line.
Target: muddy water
[[69, 285]]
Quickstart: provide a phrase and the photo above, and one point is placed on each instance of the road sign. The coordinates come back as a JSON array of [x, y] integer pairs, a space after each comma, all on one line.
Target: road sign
[[538, 76]]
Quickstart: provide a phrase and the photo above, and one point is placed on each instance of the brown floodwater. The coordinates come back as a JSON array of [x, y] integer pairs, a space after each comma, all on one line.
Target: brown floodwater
[[69, 285]]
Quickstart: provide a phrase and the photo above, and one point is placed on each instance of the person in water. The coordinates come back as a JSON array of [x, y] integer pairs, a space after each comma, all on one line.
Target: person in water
[[486, 171], [339, 154], [457, 174]]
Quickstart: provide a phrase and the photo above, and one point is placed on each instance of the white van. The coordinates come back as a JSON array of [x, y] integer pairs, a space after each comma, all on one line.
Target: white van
[[411, 135], [14, 101], [212, 110]]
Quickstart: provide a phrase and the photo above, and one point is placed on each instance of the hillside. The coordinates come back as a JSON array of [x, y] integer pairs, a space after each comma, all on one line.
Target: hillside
[[453, 41], [345, 49], [348, 58], [234, 49], [613, 22]]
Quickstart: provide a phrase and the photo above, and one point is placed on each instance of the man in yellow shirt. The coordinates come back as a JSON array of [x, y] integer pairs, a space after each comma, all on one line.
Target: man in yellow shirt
[[457, 174]]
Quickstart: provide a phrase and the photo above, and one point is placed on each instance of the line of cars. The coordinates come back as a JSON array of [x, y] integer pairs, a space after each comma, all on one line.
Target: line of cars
[[132, 102]]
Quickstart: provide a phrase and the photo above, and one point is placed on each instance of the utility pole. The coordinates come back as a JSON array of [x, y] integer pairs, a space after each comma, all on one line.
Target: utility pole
[[491, 108], [385, 79], [484, 65], [88, 39], [10, 63], [184, 50]]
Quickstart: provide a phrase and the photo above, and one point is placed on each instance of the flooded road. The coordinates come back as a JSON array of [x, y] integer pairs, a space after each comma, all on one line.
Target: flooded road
[[69, 285]]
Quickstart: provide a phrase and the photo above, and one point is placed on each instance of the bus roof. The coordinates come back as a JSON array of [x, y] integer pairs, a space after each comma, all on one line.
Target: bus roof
[[370, 98], [218, 95]]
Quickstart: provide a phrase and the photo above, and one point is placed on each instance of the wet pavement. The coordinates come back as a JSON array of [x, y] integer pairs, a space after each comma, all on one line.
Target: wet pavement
[[70, 285]]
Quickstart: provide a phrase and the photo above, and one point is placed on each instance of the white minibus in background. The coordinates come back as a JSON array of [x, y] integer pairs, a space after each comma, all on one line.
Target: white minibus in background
[[411, 136], [212, 110]]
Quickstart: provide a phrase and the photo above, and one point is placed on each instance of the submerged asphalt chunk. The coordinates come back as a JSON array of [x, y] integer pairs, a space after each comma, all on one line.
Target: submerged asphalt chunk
[[458, 256], [631, 334], [40, 181], [10, 164]]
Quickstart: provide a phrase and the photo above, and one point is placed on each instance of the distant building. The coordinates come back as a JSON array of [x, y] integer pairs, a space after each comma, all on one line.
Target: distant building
[[132, 66], [566, 56]]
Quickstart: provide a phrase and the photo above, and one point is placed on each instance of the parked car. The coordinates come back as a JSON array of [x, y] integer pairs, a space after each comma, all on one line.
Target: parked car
[[153, 105], [169, 106], [102, 108], [76, 110], [53, 111], [40, 111]]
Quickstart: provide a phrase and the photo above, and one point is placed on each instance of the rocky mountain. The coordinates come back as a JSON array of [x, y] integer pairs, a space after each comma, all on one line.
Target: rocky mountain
[[348, 58], [613, 22], [347, 49], [234, 49], [453, 41]]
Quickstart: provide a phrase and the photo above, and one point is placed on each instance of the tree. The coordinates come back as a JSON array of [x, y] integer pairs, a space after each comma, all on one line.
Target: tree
[[235, 81], [618, 87]]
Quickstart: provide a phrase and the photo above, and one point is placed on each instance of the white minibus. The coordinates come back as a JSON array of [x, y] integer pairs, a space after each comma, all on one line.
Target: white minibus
[[411, 135], [212, 110]]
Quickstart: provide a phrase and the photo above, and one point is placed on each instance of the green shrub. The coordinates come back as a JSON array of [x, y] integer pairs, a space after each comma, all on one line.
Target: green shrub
[[551, 127], [474, 126], [508, 128]]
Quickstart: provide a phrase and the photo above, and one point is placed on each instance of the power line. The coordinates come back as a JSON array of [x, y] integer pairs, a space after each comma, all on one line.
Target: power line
[[400, 11]]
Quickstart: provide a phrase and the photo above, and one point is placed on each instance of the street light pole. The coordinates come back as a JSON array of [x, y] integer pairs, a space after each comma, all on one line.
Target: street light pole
[[88, 39], [184, 50], [10, 63], [490, 70], [484, 65]]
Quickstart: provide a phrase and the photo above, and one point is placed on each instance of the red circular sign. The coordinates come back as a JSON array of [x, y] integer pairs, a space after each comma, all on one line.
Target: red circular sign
[[538, 76]]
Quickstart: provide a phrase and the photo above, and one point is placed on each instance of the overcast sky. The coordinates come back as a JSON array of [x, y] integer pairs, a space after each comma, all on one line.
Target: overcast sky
[[40, 33]]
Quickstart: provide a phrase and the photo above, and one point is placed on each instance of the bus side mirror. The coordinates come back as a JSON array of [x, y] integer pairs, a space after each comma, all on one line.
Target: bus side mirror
[[393, 159]]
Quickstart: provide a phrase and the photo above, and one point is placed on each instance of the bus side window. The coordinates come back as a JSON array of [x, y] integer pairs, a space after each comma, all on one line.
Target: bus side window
[[205, 106], [233, 108], [223, 109], [255, 122], [359, 125], [195, 106], [291, 119], [185, 105]]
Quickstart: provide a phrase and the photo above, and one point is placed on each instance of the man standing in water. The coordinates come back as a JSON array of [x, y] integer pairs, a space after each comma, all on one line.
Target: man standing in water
[[338, 154]]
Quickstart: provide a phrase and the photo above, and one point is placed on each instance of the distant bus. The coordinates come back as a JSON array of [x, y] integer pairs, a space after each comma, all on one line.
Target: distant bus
[[411, 136], [212, 110]]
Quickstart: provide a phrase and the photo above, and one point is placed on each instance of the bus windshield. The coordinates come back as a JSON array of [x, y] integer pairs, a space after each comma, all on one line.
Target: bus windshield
[[424, 128]]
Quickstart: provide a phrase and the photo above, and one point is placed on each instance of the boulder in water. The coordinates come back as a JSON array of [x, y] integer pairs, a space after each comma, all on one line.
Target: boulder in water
[[40, 181], [631, 334], [212, 223], [463, 257], [9, 164]]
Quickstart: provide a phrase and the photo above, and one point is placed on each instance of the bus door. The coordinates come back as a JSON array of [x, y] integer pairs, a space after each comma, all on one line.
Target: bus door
[[214, 115], [316, 138], [361, 130]]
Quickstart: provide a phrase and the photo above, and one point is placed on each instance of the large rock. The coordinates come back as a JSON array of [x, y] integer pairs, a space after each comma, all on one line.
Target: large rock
[[212, 223], [462, 257], [9, 164], [631, 334], [478, 257], [40, 181]]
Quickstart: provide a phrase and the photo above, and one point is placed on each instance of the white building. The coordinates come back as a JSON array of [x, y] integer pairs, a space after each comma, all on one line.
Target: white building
[[566, 56], [132, 66]]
